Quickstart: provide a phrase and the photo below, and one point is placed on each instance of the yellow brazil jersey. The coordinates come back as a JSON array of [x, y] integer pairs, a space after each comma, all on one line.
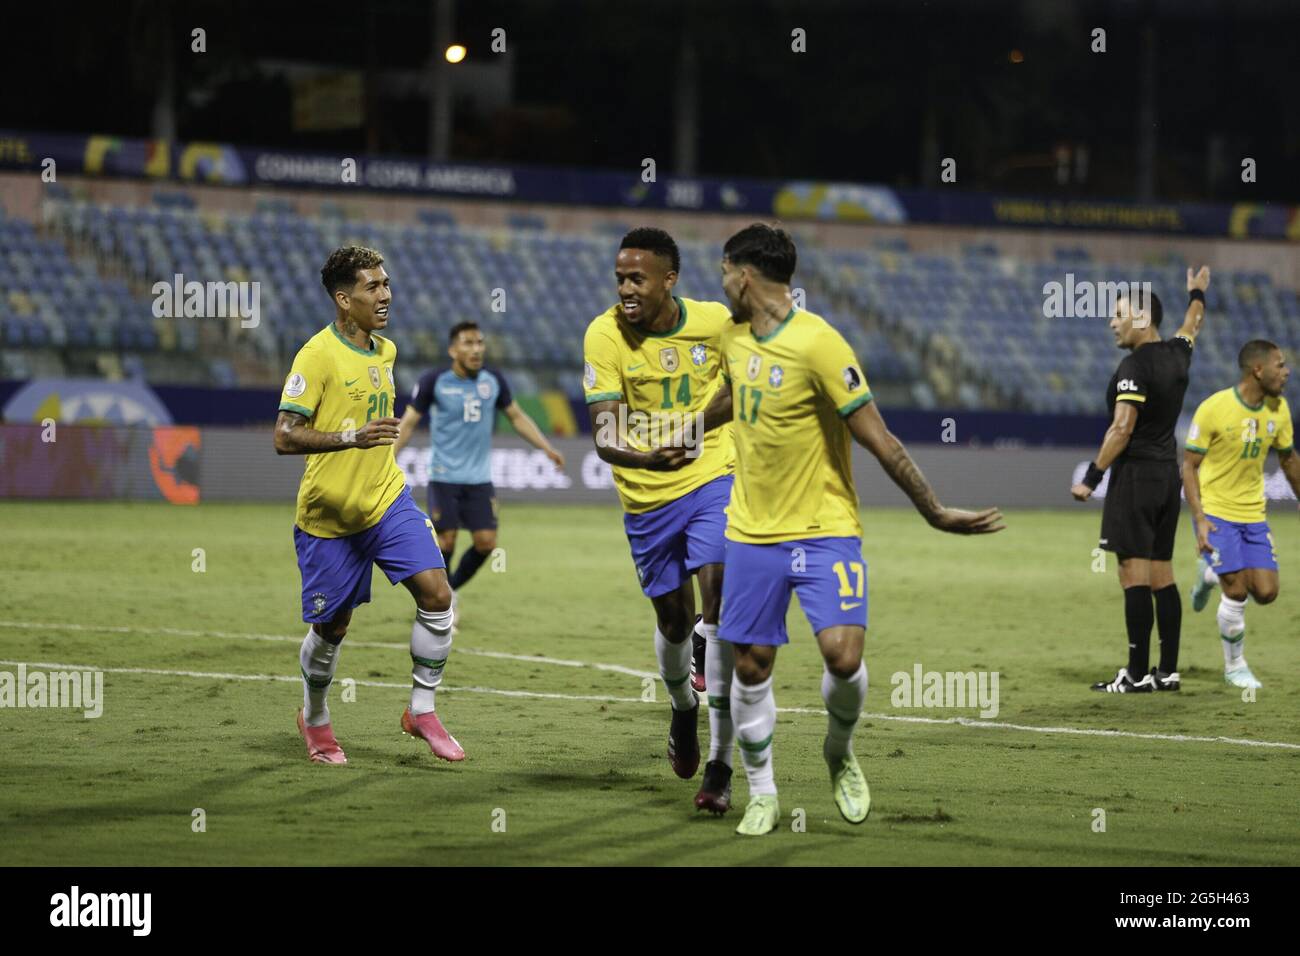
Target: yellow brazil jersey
[[1235, 438], [664, 379], [339, 387], [790, 392]]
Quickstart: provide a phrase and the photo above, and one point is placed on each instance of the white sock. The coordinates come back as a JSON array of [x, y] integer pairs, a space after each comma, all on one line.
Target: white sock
[[719, 668], [753, 708], [1208, 575], [430, 645], [1232, 631], [675, 669], [844, 698], [318, 659]]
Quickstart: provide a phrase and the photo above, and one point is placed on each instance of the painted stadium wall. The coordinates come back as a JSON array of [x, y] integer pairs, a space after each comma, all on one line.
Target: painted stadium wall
[[190, 465]]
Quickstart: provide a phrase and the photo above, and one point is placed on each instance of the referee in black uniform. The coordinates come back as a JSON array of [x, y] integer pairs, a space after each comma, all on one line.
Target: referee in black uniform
[[1140, 516]]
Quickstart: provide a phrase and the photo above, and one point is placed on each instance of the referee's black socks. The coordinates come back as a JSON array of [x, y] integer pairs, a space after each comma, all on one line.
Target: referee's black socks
[[1169, 620], [1140, 618]]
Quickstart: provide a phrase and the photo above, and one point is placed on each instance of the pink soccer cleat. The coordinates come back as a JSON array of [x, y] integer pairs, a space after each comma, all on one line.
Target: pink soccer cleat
[[429, 728], [321, 745]]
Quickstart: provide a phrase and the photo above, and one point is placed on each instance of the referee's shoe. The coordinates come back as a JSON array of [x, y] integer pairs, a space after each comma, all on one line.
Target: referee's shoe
[[1124, 684]]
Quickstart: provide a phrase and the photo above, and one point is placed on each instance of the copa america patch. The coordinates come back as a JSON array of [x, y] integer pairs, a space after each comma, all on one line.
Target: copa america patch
[[852, 378], [1194, 432], [588, 375], [389, 370], [1270, 426], [296, 385]]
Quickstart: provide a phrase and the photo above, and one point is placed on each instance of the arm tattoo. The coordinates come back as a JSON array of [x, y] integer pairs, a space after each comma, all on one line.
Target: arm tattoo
[[294, 436], [899, 466]]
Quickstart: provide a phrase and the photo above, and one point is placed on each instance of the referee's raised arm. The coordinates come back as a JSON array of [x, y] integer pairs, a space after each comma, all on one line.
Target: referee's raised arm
[[1196, 286]]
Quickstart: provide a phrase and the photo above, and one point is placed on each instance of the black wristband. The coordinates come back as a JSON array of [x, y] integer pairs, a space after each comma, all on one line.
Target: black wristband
[[1196, 295], [1092, 477]]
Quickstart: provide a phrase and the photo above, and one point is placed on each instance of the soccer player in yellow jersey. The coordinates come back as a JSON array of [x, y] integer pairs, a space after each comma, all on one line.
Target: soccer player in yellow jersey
[[796, 395], [650, 367], [1223, 478], [353, 506]]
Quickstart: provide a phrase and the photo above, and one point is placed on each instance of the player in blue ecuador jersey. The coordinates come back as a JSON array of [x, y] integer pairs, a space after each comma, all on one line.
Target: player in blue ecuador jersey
[[465, 397]]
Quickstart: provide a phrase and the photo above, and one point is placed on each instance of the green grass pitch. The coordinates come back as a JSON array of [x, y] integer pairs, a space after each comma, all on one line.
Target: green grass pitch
[[580, 777]]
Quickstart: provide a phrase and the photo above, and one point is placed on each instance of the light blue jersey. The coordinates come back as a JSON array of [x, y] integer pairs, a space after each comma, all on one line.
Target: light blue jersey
[[464, 412]]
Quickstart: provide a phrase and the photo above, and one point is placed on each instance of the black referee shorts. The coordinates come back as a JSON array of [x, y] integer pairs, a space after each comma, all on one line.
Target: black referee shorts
[[1140, 516]]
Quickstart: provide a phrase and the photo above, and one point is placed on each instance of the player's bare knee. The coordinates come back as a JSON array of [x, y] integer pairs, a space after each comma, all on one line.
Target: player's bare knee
[[1235, 591], [845, 663], [485, 541], [750, 671], [1266, 594]]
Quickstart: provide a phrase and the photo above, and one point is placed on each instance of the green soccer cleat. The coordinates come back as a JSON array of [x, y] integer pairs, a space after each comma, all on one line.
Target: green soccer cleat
[[1241, 676], [760, 816], [1201, 592], [849, 787]]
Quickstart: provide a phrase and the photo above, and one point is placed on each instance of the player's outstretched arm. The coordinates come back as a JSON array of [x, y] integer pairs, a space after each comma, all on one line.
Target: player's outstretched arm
[[406, 428], [1197, 283], [527, 429], [1192, 491], [294, 436], [609, 434], [869, 431], [1113, 444]]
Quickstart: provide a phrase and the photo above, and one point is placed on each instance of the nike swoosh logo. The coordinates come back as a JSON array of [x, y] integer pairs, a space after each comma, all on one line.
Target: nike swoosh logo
[[849, 607], [357, 379], [633, 368]]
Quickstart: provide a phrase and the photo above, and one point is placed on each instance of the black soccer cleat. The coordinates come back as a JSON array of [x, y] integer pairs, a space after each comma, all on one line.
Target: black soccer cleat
[[684, 741], [1123, 684], [697, 659], [715, 789], [1163, 681]]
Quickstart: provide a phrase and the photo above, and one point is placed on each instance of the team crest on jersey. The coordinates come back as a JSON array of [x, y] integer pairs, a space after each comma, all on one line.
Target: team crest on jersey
[[775, 376], [699, 354], [754, 367], [668, 359], [484, 388], [852, 378], [374, 375], [389, 370], [588, 375], [318, 601]]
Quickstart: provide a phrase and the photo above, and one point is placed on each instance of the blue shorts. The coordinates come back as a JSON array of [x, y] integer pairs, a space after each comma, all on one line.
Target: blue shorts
[[671, 542], [336, 571], [828, 574], [472, 507], [1240, 545]]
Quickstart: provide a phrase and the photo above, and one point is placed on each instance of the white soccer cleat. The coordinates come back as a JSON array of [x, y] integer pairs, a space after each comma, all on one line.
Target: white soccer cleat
[[1240, 676]]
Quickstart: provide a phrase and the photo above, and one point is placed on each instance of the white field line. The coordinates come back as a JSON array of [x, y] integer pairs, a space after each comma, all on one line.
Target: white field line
[[958, 721], [227, 635], [48, 665]]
